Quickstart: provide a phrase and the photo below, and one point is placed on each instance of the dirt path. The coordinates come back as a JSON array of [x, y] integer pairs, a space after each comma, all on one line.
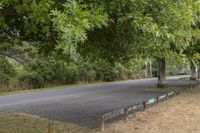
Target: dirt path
[[178, 115]]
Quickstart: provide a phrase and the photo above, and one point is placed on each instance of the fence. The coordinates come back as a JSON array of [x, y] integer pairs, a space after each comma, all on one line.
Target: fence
[[130, 110]]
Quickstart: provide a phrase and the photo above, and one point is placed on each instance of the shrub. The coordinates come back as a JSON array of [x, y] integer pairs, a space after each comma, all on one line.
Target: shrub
[[86, 72], [7, 71], [71, 75], [121, 72], [33, 79], [4, 79], [110, 74], [43, 69], [59, 75], [91, 76], [87, 75], [130, 74], [99, 73]]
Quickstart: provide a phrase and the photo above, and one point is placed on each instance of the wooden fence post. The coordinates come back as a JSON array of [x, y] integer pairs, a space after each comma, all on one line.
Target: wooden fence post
[[167, 96], [102, 123], [190, 85], [126, 113], [144, 105], [50, 128], [157, 100]]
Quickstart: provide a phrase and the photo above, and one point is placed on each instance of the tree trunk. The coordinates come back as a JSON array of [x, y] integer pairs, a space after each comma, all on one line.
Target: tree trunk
[[193, 71], [161, 72]]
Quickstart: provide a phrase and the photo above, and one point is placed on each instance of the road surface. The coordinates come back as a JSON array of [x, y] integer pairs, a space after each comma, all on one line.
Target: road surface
[[82, 105]]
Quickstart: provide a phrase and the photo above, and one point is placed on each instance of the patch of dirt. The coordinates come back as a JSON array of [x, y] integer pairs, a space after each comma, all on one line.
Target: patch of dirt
[[180, 114]]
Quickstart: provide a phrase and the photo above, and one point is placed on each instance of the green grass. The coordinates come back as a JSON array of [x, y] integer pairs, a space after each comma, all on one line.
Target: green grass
[[56, 88], [155, 89], [74, 86], [52, 88], [22, 123]]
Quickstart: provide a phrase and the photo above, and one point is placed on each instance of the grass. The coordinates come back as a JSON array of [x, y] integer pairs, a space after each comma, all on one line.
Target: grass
[[57, 87], [178, 115], [74, 86], [22, 123], [155, 89], [52, 88]]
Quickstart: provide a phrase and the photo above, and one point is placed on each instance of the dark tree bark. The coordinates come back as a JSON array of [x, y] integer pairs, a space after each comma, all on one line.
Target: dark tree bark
[[161, 72]]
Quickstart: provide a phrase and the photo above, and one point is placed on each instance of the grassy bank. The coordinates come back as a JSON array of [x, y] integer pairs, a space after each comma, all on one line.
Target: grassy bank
[[21, 123], [53, 88]]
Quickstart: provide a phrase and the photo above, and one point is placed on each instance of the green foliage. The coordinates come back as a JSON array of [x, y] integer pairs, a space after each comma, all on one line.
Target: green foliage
[[89, 40], [34, 80], [7, 71], [43, 71], [71, 75], [74, 20], [142, 27], [48, 71], [109, 74], [62, 24]]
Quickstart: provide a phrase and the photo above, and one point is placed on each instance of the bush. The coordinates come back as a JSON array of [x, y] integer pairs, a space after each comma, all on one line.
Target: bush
[[106, 74], [33, 79], [4, 79], [130, 74], [87, 75], [110, 75], [71, 75], [7, 71], [43, 69], [59, 73], [121, 72], [48, 71], [99, 73], [91, 76]]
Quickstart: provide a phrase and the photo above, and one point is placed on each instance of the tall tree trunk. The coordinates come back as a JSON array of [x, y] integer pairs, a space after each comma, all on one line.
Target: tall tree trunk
[[161, 72], [198, 73], [193, 71]]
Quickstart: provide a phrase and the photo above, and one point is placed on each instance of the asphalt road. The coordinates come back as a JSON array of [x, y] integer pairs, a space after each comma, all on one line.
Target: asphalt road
[[82, 105]]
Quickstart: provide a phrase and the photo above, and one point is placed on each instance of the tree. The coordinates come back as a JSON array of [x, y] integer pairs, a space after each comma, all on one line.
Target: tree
[[109, 30], [174, 29], [150, 28], [52, 24], [192, 51]]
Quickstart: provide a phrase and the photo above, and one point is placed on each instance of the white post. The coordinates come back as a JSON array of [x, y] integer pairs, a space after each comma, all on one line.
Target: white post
[[146, 70], [150, 65]]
